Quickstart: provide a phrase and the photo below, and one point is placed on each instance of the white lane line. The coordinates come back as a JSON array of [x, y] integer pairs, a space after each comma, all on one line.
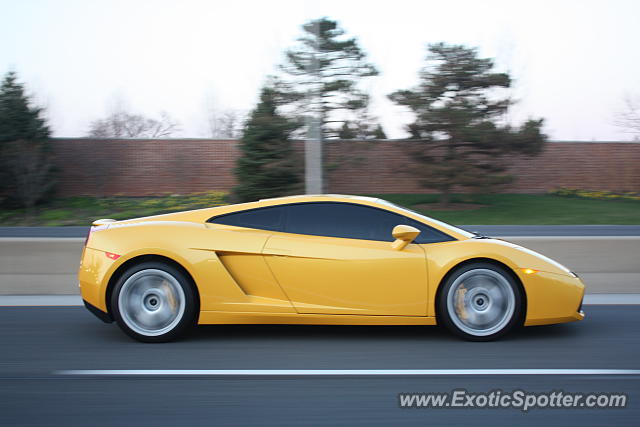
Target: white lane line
[[342, 372], [611, 299], [42, 239], [40, 300]]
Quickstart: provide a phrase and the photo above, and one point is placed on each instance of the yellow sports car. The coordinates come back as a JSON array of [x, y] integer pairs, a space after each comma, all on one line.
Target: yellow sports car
[[324, 259]]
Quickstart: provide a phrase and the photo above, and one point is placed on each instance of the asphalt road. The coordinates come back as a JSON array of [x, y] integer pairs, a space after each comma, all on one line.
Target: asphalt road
[[37, 341], [490, 230]]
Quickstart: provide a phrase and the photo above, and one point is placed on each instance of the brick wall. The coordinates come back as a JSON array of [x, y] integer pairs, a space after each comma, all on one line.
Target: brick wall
[[144, 167]]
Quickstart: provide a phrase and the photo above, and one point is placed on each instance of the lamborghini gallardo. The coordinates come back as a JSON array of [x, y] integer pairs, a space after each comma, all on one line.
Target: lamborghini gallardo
[[327, 259]]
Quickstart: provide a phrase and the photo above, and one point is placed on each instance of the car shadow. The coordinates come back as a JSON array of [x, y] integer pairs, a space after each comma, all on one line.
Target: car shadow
[[350, 332]]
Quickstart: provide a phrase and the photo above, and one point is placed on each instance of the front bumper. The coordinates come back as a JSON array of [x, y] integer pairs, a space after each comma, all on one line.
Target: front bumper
[[553, 298]]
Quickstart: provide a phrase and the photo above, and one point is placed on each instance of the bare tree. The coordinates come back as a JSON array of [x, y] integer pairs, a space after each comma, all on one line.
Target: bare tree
[[122, 124], [225, 123], [629, 118], [221, 123]]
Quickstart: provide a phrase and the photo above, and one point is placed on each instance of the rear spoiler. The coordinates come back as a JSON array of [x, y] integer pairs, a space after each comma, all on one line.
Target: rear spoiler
[[97, 225], [104, 221]]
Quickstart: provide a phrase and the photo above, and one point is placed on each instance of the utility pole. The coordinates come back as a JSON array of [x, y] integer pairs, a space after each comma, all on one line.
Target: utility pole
[[313, 144]]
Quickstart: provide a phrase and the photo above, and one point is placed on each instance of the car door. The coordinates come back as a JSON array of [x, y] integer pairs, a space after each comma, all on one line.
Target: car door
[[336, 258]]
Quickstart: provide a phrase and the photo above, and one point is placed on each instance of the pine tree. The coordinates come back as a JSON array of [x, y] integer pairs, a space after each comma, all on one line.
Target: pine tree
[[25, 152], [324, 72], [266, 167], [347, 131], [459, 118], [361, 130], [379, 133]]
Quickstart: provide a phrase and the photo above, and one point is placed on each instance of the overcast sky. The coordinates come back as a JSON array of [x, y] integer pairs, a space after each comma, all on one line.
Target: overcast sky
[[573, 61]]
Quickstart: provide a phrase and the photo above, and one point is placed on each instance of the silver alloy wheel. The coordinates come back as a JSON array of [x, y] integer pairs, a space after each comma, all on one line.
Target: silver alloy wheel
[[481, 302], [151, 302]]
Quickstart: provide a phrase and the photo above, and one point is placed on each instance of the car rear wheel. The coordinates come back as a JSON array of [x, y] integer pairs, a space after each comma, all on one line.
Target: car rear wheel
[[154, 302], [480, 302]]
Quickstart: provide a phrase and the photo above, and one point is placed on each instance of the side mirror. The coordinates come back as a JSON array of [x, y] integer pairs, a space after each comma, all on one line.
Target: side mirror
[[404, 234]]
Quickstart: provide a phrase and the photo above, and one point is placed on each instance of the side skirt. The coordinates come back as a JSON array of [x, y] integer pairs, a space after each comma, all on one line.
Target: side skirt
[[220, 317]]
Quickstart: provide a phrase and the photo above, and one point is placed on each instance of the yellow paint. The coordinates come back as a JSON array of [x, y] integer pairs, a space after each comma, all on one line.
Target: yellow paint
[[347, 276], [404, 235], [255, 276], [216, 317]]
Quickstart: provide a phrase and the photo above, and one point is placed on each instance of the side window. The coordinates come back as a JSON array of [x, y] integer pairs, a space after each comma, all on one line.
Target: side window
[[271, 218], [427, 234], [352, 221], [339, 220]]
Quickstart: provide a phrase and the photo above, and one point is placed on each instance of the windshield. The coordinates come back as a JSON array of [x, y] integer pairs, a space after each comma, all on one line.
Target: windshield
[[443, 224]]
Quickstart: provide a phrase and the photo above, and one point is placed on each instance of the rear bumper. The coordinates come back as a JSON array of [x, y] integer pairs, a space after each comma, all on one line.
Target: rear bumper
[[94, 268], [105, 317]]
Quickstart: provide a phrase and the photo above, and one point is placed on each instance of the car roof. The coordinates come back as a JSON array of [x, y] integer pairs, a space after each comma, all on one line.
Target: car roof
[[202, 215], [287, 199]]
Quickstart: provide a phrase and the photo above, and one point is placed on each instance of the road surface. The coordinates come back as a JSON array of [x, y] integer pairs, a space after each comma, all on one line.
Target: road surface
[[39, 341]]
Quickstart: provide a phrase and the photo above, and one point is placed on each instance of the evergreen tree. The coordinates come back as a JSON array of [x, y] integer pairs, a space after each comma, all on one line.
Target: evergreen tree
[[26, 168], [361, 131], [459, 117], [379, 133], [324, 71], [363, 127], [347, 131], [266, 167]]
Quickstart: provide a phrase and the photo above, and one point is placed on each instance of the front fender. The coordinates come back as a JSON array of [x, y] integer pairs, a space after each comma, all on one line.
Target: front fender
[[552, 292]]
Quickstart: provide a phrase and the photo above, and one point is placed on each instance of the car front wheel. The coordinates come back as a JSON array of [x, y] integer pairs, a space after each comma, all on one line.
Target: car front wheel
[[480, 302], [154, 302]]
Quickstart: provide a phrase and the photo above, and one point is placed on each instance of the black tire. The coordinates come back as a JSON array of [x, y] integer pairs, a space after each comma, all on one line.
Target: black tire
[[154, 302], [480, 302]]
